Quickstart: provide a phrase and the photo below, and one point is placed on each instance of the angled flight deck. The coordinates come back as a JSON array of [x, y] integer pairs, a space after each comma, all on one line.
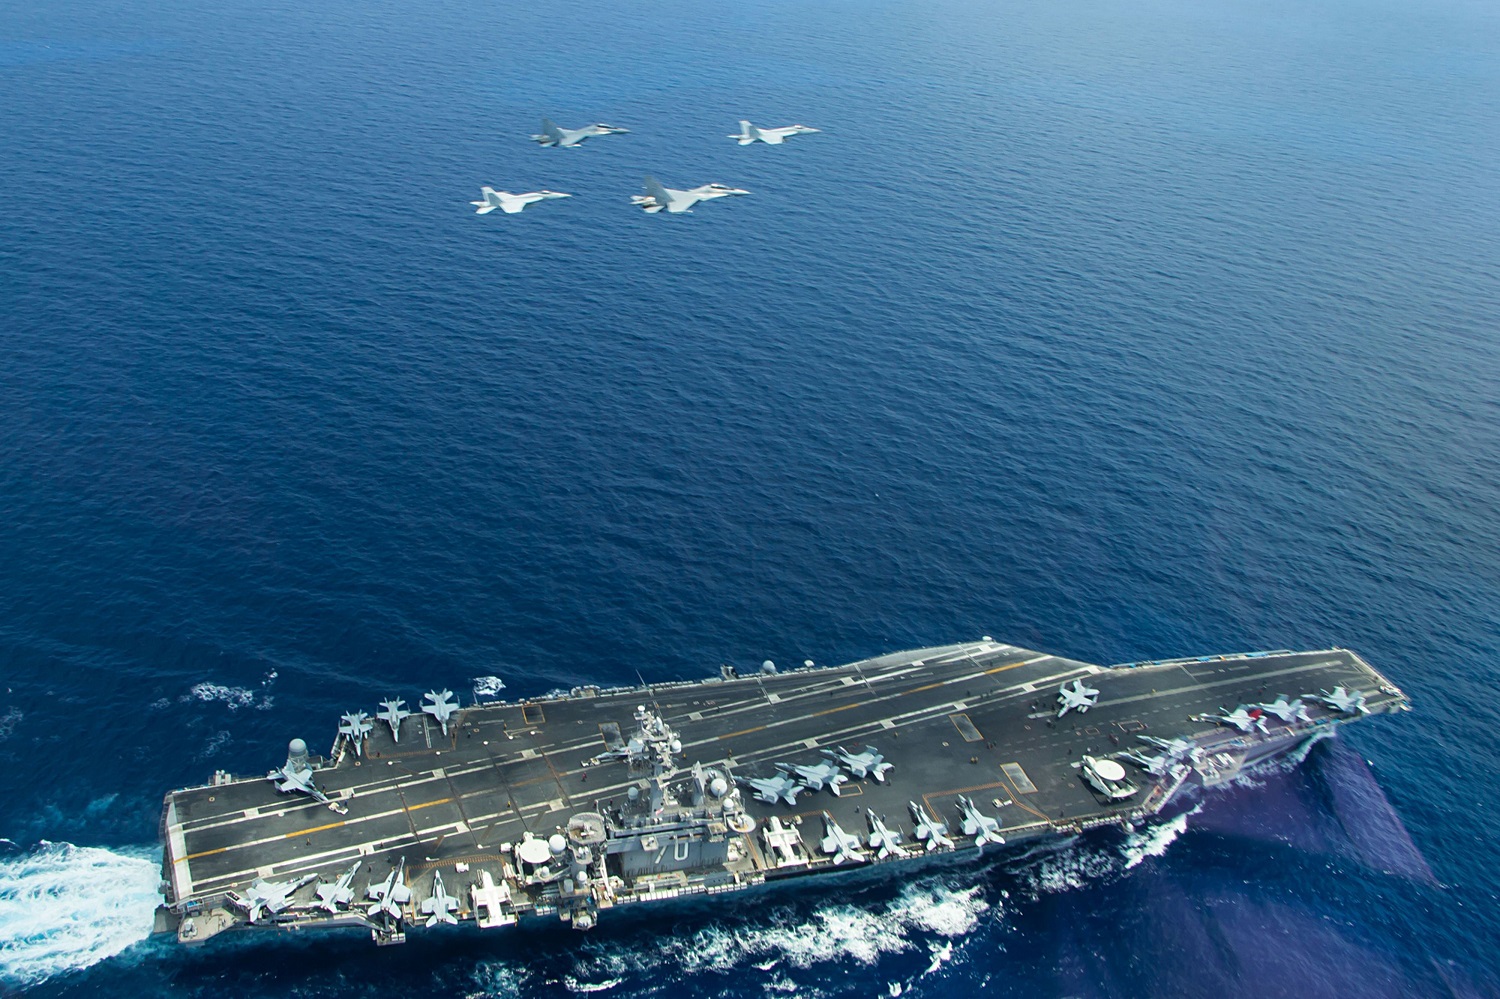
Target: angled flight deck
[[573, 805]]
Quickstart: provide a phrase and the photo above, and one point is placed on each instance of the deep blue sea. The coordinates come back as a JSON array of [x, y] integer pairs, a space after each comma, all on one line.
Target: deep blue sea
[[1116, 330]]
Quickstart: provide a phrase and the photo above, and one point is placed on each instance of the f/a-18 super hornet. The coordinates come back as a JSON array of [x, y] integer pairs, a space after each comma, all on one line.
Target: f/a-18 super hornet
[[658, 198], [840, 845], [933, 832], [568, 138], [772, 789], [390, 895], [267, 896], [442, 707], [1287, 711], [1348, 701], [984, 828], [356, 725], [510, 204], [1076, 697], [1242, 718], [335, 894], [816, 776], [748, 133], [869, 763], [883, 840], [441, 906], [296, 776], [393, 713]]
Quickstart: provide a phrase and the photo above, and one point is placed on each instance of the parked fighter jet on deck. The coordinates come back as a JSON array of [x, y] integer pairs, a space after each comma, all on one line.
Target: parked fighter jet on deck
[[334, 894], [568, 138], [1242, 718], [441, 906], [658, 198], [839, 845], [393, 713], [356, 725], [1076, 697], [390, 895], [983, 828], [885, 841], [1287, 711], [869, 763], [1347, 701], [442, 707], [510, 204], [929, 830], [816, 776], [267, 896], [748, 133], [290, 779], [772, 789]]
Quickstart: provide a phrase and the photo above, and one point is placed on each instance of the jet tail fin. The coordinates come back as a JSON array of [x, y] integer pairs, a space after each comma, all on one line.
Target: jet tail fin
[[551, 131], [657, 192]]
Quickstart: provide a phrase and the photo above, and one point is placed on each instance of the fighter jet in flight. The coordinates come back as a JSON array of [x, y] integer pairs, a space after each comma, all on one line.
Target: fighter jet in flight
[[440, 708], [1155, 765], [929, 830], [1243, 718], [839, 845], [883, 840], [748, 133], [267, 896], [510, 204], [983, 828], [1174, 748], [356, 725], [869, 763], [1076, 698], [1347, 701], [390, 895], [333, 894], [568, 138], [658, 198], [291, 779], [393, 713], [817, 776], [773, 789], [1287, 711], [440, 908]]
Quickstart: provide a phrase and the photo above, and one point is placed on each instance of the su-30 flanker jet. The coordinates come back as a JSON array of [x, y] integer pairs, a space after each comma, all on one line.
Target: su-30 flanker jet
[[568, 138], [441, 906], [815, 777], [929, 830], [390, 895], [510, 204], [291, 778], [869, 763], [335, 894], [748, 133], [658, 198], [393, 713], [1076, 697], [772, 790], [356, 725], [982, 827], [839, 845], [442, 707], [267, 896]]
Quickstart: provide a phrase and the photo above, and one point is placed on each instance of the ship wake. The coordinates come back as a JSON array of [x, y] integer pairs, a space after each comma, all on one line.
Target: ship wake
[[65, 907]]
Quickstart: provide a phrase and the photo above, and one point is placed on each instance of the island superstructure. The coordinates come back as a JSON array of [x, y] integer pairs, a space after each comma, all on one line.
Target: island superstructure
[[576, 807]]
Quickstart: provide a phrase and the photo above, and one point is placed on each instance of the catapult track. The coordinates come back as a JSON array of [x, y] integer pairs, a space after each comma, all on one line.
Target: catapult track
[[570, 806]]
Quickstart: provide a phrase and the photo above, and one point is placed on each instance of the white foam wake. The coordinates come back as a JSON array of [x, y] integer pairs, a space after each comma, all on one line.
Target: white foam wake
[[64, 907], [830, 934], [1153, 840]]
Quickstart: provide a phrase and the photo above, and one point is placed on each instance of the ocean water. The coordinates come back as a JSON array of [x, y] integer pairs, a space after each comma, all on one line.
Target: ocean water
[[1115, 330]]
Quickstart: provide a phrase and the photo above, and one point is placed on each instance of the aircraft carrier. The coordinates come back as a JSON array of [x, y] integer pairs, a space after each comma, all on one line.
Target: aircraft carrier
[[572, 807]]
